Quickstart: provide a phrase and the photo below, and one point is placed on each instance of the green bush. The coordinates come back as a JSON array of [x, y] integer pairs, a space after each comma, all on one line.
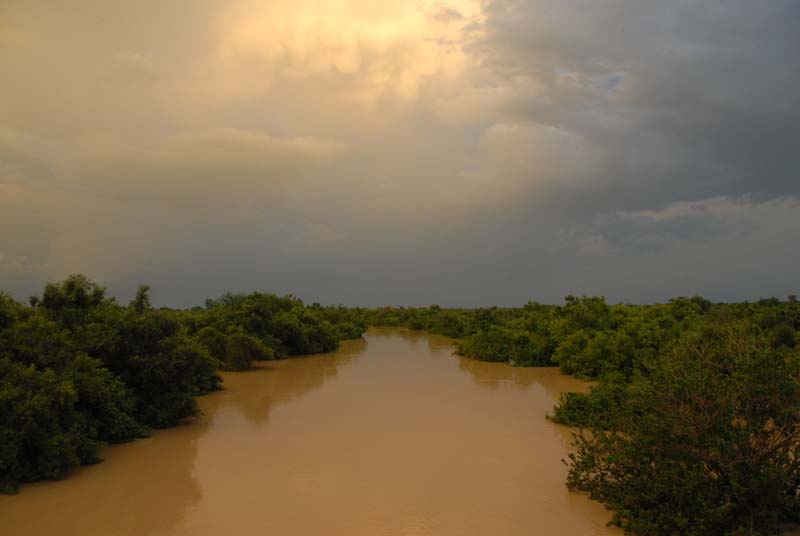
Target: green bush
[[242, 350], [54, 419], [214, 341], [596, 409], [162, 366], [77, 370], [283, 324], [706, 443], [348, 330]]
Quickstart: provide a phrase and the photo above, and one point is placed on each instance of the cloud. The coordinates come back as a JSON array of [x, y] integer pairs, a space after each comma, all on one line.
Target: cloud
[[130, 67], [373, 52], [455, 151], [208, 166], [696, 222], [701, 101]]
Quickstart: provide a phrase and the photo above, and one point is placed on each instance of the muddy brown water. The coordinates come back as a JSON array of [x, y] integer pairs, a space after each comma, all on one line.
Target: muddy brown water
[[391, 435]]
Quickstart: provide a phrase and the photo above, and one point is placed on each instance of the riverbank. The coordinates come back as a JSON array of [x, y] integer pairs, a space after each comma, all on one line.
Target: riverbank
[[392, 434]]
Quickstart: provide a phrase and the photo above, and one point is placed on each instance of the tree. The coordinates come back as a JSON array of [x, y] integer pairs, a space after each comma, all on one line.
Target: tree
[[162, 366], [242, 350], [707, 442], [9, 310], [141, 302], [214, 341], [70, 301]]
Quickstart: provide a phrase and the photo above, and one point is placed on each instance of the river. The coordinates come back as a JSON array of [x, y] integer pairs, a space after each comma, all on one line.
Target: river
[[391, 435]]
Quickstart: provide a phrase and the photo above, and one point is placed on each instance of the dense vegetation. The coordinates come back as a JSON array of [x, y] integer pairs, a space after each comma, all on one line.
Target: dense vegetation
[[693, 424], [78, 369]]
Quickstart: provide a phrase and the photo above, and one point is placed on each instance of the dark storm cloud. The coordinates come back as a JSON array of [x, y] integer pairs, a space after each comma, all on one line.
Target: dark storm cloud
[[694, 112], [463, 152], [700, 99]]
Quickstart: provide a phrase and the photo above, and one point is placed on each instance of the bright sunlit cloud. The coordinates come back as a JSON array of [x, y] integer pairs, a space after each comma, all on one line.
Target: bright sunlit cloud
[[393, 151], [382, 49]]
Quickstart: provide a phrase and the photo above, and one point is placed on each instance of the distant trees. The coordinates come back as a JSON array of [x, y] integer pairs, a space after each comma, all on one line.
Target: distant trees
[[141, 302], [507, 345], [349, 330], [283, 325], [455, 323]]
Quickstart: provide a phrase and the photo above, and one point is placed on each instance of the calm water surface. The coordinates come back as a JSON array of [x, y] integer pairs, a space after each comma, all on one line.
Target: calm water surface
[[391, 435]]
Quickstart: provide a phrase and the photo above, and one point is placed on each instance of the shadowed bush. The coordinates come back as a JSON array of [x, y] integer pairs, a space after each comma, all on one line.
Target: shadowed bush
[[242, 350]]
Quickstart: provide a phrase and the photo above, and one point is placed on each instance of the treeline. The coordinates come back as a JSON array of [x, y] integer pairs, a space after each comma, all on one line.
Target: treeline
[[455, 323], [77, 369], [274, 326], [693, 424]]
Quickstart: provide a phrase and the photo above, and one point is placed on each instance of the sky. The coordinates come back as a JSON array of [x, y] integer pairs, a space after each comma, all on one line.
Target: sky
[[375, 152]]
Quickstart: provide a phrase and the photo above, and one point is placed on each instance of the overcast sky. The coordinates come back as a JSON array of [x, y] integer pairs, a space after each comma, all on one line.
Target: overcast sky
[[371, 152]]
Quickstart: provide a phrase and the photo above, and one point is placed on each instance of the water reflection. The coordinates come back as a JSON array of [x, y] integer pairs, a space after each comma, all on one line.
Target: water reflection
[[148, 486], [548, 380], [256, 392], [118, 496], [392, 435], [496, 375]]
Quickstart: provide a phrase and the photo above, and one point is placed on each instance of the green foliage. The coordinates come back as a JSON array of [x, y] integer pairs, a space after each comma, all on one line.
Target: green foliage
[[596, 409], [70, 301], [456, 323], [507, 345], [282, 324], [141, 302], [242, 350], [213, 340], [57, 404], [55, 407], [706, 442], [41, 433], [162, 366], [349, 330], [9, 311], [783, 336]]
